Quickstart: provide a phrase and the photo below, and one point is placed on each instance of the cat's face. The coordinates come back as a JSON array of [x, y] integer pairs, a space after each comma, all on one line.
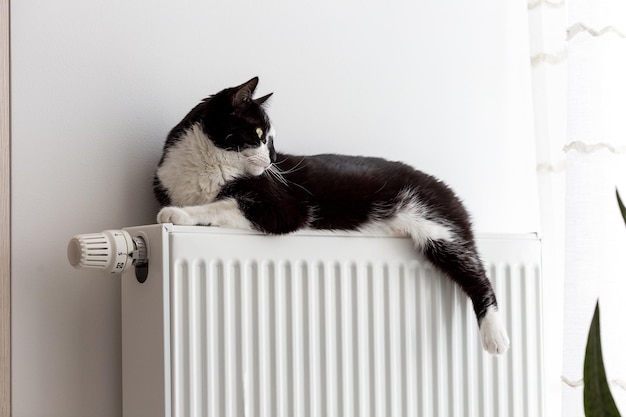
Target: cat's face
[[238, 123]]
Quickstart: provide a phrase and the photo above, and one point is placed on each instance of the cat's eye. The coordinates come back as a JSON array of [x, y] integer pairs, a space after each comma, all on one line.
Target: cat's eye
[[259, 132]]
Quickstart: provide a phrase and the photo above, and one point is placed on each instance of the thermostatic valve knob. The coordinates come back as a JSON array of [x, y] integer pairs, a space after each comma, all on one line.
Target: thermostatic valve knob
[[110, 251], [140, 254]]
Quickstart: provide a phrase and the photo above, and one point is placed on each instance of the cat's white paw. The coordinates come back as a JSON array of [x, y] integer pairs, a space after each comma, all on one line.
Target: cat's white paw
[[493, 333], [175, 215]]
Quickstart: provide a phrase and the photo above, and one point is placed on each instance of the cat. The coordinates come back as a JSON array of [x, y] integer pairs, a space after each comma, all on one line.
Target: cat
[[219, 168]]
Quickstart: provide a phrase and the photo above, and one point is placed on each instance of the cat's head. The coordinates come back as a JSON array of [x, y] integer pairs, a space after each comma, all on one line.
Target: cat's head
[[237, 122]]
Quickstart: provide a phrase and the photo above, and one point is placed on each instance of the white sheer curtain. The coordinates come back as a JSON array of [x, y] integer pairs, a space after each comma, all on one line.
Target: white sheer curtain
[[578, 58]]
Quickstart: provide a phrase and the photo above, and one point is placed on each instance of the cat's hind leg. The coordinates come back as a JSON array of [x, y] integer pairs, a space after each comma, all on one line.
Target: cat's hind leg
[[460, 261], [221, 213], [452, 250]]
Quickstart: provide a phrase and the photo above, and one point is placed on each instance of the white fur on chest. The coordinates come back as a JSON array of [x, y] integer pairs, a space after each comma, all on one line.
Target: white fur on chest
[[195, 170]]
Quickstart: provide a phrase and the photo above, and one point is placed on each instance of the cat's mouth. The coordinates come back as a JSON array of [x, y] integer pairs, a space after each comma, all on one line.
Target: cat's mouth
[[259, 163], [264, 164]]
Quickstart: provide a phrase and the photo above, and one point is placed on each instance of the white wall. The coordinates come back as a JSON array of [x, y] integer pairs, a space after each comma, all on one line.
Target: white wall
[[96, 86]]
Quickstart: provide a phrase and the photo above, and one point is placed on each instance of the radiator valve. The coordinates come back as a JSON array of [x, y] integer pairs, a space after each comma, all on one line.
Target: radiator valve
[[112, 251]]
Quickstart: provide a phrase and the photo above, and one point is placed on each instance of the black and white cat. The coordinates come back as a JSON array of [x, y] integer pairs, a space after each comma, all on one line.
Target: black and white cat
[[219, 168]]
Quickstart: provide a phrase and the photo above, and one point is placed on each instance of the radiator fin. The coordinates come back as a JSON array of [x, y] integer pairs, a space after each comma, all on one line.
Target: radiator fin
[[339, 338]]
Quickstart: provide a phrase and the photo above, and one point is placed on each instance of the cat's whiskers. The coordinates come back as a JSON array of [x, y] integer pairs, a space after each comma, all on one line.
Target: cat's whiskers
[[280, 162], [289, 171], [274, 171]]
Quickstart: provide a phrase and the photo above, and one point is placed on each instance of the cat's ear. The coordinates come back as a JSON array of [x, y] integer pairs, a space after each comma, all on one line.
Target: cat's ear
[[261, 100], [245, 91]]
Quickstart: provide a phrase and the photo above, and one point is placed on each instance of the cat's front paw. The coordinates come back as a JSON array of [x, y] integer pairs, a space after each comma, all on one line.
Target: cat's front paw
[[493, 333], [175, 215]]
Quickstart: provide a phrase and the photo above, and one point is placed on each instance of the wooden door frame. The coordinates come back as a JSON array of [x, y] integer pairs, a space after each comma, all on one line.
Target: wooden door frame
[[5, 211]]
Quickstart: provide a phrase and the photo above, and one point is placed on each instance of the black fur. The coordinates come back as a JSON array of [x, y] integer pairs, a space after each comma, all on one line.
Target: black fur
[[333, 191]]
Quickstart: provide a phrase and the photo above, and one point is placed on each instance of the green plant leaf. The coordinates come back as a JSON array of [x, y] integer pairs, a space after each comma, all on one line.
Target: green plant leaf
[[597, 395], [621, 205]]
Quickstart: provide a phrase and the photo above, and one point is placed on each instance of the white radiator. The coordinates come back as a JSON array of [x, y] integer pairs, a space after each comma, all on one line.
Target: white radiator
[[231, 323]]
